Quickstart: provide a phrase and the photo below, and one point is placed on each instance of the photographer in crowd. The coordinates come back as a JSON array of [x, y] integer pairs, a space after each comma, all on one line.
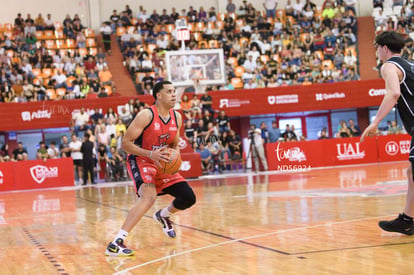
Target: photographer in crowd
[[256, 147]]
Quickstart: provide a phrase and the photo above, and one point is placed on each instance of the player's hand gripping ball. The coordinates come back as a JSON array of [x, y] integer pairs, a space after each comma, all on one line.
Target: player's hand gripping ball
[[174, 164]]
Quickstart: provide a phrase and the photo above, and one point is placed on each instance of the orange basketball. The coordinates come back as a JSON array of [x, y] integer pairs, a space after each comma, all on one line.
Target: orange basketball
[[174, 164]]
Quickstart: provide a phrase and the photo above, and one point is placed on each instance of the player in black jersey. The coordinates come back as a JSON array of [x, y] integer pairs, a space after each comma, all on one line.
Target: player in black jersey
[[398, 74]]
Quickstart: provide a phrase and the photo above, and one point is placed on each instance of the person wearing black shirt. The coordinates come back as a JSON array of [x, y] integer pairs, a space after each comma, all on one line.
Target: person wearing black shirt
[[88, 160], [223, 122], [189, 131], [19, 151], [207, 101], [64, 148]]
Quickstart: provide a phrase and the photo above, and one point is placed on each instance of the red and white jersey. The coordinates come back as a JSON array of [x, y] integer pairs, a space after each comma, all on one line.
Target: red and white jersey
[[158, 133]]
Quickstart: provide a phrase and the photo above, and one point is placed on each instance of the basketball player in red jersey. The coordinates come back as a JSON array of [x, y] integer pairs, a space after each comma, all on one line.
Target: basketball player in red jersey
[[152, 130]]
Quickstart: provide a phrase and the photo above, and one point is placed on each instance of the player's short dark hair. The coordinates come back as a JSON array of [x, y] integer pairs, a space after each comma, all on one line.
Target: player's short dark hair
[[393, 40], [158, 87]]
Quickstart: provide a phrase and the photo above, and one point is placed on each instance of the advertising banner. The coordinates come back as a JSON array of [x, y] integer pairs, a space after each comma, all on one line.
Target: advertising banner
[[191, 165], [345, 151], [55, 114], [291, 156], [394, 147], [302, 156], [6, 176], [34, 174], [352, 94]]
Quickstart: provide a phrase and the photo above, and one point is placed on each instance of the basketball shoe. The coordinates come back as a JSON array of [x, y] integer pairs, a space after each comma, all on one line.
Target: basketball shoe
[[165, 223], [398, 225], [118, 249]]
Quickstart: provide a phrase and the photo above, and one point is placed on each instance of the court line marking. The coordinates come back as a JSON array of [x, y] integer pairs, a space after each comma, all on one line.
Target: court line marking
[[243, 239]]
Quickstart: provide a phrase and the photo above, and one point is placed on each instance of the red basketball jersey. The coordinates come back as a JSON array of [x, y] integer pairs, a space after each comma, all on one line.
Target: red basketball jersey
[[158, 133]]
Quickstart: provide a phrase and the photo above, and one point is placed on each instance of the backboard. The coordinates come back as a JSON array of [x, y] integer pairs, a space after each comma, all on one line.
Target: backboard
[[207, 66]]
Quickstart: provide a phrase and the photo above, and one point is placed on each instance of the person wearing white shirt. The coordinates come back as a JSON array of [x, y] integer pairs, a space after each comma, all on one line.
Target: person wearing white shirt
[[251, 84], [255, 53], [256, 141], [110, 128], [250, 64], [350, 5], [75, 146], [297, 8], [143, 16], [52, 151], [80, 121], [60, 80], [380, 19], [270, 6]]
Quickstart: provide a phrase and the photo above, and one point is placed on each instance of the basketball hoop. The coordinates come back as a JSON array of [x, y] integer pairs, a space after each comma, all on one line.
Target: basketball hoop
[[183, 34]]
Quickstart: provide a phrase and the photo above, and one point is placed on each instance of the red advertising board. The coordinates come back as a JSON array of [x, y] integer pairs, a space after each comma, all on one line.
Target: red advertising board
[[345, 151], [352, 94], [34, 174], [296, 156], [341, 95], [394, 147], [54, 114], [283, 156], [6, 176], [191, 165]]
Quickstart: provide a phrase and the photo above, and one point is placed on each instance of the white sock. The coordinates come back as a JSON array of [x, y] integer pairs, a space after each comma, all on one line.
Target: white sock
[[165, 212], [121, 234]]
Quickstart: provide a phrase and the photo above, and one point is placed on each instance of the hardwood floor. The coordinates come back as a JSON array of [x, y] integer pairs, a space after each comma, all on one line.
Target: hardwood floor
[[319, 222]]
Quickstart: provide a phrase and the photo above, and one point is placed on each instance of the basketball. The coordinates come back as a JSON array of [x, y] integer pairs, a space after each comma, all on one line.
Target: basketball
[[174, 164]]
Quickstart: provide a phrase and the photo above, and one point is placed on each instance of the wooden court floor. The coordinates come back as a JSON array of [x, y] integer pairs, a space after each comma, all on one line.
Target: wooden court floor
[[323, 221]]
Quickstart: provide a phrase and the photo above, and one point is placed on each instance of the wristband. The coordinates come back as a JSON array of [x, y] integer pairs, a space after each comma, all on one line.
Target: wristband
[[150, 155]]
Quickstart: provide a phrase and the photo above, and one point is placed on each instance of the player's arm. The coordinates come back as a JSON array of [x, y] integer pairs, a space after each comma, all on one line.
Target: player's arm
[[389, 73], [135, 130], [177, 136]]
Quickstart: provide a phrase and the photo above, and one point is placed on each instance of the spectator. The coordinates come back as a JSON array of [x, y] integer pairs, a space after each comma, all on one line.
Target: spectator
[[42, 151], [189, 132], [185, 105], [323, 134], [223, 122], [270, 7], [106, 32], [256, 147], [116, 164], [88, 160], [235, 145], [80, 121], [289, 134], [105, 76], [353, 128], [19, 151], [4, 152], [394, 128], [274, 133], [230, 7], [64, 148], [343, 130], [206, 102], [111, 115], [264, 132], [53, 151], [206, 163], [120, 127], [75, 146]]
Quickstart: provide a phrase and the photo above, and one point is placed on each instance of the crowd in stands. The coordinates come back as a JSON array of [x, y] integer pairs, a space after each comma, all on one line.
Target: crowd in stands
[[44, 59], [397, 15], [298, 44]]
